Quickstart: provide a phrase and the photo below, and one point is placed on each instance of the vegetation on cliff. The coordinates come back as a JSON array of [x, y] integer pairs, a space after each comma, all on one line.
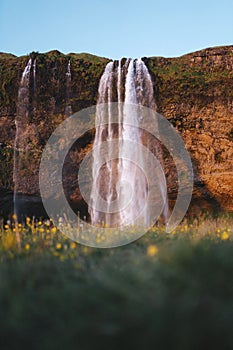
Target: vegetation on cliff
[[194, 92]]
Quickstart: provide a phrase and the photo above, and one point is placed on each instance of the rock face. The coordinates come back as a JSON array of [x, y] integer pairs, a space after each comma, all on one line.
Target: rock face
[[194, 92], [47, 107]]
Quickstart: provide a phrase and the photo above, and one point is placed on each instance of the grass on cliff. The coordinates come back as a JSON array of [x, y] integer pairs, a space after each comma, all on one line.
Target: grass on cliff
[[163, 291]]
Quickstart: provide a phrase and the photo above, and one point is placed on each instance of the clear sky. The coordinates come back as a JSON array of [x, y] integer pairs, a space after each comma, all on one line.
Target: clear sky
[[115, 28]]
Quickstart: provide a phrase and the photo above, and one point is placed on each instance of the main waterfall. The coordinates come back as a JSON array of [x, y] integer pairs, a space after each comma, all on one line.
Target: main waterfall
[[116, 179]]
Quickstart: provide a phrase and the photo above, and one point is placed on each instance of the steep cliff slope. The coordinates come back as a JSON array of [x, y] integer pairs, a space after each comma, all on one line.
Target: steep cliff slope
[[194, 92]]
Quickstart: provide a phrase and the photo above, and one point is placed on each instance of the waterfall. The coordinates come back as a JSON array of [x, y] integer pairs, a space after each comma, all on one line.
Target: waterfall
[[104, 93], [68, 108], [127, 82], [129, 172], [34, 75], [21, 122]]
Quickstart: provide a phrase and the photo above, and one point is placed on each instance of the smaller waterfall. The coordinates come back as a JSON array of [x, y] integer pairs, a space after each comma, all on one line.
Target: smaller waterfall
[[34, 102], [34, 75], [68, 108], [21, 126]]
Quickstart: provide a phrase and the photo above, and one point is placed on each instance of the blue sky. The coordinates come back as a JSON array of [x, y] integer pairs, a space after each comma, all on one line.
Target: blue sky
[[115, 28]]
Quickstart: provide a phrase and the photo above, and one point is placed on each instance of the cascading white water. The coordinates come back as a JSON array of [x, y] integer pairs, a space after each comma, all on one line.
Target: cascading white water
[[104, 93], [68, 108], [129, 172], [21, 121], [34, 75], [132, 80]]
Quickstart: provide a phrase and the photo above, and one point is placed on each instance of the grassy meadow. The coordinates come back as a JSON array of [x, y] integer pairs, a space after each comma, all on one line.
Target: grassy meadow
[[164, 291]]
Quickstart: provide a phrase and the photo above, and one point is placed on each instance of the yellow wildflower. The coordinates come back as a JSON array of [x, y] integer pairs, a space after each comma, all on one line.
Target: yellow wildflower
[[27, 246], [225, 236], [8, 241], [72, 245], [58, 246], [14, 217], [152, 250], [53, 229]]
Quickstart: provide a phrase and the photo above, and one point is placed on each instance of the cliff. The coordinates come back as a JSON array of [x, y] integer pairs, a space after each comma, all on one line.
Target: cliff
[[194, 92]]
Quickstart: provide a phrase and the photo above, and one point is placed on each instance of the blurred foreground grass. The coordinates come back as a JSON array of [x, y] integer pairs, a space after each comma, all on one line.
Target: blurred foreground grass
[[164, 291]]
